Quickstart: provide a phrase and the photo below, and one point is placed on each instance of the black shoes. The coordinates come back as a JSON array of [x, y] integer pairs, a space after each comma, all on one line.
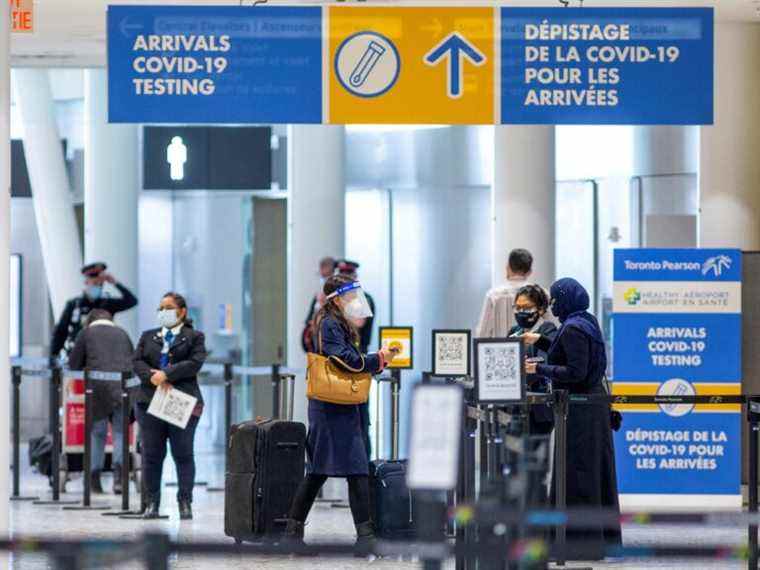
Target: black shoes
[[365, 538], [117, 479], [185, 510], [151, 511], [95, 486]]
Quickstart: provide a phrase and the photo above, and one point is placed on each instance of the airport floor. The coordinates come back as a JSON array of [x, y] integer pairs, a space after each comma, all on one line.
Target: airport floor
[[326, 523]]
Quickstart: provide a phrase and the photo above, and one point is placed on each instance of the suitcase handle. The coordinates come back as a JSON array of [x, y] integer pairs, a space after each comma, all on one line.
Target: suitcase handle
[[287, 445]]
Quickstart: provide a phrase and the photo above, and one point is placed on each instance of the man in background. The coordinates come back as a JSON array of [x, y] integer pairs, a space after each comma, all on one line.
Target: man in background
[[326, 269], [496, 317], [93, 297], [104, 347]]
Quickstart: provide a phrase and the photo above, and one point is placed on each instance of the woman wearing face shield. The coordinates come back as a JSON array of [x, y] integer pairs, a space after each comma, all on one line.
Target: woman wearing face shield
[[577, 362], [335, 445], [169, 358]]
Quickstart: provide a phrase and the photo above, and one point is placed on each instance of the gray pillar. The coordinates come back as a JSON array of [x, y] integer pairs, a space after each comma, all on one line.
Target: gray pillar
[[111, 188], [316, 226], [523, 199], [51, 194]]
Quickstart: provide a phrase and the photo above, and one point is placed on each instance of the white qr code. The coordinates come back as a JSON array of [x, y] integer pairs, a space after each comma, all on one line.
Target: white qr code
[[502, 365], [175, 407], [451, 348]]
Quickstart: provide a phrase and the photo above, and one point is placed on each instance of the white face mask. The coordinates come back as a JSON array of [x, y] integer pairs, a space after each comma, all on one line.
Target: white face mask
[[167, 318]]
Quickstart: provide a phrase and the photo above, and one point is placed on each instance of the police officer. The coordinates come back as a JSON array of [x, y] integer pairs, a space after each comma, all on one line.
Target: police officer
[[93, 297]]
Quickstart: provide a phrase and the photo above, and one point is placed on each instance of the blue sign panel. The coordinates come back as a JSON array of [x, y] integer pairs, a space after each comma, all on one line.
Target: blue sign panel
[[657, 347], [677, 331], [204, 64], [693, 454], [607, 66]]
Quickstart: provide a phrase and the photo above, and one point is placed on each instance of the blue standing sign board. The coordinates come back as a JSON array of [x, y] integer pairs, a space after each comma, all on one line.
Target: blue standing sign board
[[677, 331], [607, 66], [214, 64]]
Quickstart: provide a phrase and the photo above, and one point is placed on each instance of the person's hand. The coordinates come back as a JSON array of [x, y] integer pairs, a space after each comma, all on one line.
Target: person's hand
[[530, 338], [388, 354], [530, 367], [158, 378], [108, 278]]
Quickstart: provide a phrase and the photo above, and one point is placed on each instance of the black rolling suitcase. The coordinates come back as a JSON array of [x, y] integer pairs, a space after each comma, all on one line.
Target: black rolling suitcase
[[265, 465], [391, 502]]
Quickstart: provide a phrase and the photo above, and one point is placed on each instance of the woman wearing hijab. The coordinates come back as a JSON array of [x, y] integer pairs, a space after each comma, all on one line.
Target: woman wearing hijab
[[577, 362]]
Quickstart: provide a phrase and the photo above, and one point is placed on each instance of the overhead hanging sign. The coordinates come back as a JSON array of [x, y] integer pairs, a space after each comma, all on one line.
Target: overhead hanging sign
[[607, 65], [214, 64], [442, 65], [677, 332]]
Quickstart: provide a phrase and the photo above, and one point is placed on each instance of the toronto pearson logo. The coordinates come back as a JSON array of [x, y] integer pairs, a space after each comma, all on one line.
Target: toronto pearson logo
[[716, 264], [632, 296]]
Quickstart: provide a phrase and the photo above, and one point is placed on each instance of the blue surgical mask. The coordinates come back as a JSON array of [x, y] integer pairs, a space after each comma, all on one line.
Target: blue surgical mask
[[167, 318], [94, 292]]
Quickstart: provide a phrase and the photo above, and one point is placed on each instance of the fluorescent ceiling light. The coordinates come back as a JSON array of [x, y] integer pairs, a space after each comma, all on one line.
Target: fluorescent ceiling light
[[391, 128]]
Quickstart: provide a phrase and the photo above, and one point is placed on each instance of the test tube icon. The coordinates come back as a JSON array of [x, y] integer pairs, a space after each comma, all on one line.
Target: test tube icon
[[366, 64], [679, 391]]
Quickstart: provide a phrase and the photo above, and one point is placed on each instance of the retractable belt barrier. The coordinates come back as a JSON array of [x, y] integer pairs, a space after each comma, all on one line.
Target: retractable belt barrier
[[212, 374], [490, 420]]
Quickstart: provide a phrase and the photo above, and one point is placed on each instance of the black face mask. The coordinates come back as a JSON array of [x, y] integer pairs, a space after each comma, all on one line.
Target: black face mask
[[527, 319]]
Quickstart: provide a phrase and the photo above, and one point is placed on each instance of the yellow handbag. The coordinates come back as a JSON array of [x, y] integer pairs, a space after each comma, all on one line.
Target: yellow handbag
[[328, 382]]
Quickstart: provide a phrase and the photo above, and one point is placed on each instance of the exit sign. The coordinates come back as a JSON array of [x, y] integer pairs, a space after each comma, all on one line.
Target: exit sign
[[22, 16]]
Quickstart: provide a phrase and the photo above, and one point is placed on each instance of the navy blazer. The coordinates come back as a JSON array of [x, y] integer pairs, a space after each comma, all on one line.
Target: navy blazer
[[335, 342], [186, 357]]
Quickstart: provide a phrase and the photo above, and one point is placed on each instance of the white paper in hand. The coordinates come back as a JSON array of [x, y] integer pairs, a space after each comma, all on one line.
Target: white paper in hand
[[172, 406]]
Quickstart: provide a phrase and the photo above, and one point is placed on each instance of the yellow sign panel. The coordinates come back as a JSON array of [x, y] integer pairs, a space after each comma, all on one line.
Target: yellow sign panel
[[651, 388], [401, 339], [411, 65]]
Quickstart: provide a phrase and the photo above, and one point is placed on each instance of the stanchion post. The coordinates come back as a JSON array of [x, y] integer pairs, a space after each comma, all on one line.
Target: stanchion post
[[16, 374], [395, 395], [753, 417], [157, 551], [87, 457], [560, 468], [275, 391], [229, 378], [56, 382], [126, 456]]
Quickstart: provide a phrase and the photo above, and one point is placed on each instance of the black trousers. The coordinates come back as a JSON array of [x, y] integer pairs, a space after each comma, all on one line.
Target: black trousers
[[154, 434], [358, 497]]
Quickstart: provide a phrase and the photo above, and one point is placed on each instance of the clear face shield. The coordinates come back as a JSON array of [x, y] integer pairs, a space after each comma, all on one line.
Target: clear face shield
[[353, 301]]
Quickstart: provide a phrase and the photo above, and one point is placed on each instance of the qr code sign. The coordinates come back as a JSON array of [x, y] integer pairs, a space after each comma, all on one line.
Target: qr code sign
[[176, 408], [451, 348]]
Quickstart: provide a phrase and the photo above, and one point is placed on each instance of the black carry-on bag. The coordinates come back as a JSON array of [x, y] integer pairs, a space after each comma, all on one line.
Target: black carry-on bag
[[265, 465], [390, 499]]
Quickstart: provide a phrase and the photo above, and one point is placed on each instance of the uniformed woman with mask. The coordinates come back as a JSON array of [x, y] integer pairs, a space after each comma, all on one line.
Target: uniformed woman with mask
[[169, 358]]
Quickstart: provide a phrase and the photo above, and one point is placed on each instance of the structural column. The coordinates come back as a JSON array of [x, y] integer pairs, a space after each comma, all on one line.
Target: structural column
[[729, 165], [5, 242], [111, 185], [51, 194], [523, 199], [316, 227]]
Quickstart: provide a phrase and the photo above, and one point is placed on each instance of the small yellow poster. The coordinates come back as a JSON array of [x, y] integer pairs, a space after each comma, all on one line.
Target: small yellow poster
[[400, 338]]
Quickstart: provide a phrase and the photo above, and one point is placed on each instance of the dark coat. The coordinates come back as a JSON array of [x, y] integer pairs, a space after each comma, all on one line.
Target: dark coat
[[336, 444], [76, 309], [186, 357], [577, 363], [107, 349], [541, 415]]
